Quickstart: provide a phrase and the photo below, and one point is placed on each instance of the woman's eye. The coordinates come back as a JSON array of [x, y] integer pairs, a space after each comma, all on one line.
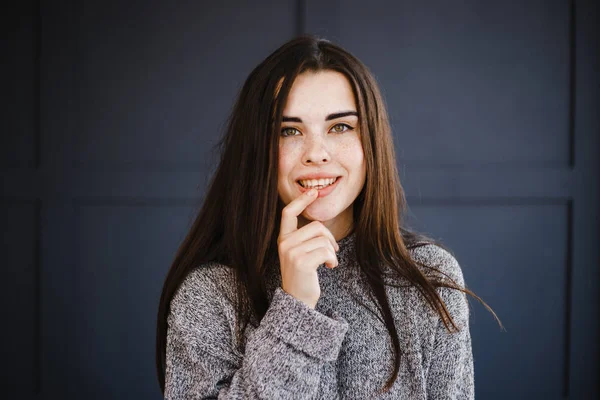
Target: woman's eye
[[285, 132], [339, 128]]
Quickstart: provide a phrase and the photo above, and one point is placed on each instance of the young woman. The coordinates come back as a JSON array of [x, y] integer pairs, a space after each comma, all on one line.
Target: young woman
[[297, 278]]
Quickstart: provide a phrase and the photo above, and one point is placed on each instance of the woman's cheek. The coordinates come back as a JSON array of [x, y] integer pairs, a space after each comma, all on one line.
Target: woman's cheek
[[288, 153], [283, 154], [351, 149]]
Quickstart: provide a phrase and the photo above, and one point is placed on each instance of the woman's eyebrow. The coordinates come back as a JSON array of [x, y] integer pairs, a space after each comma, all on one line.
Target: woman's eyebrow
[[328, 118], [340, 115]]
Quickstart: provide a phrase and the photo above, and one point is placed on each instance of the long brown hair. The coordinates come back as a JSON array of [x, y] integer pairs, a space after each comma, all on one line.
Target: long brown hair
[[237, 225]]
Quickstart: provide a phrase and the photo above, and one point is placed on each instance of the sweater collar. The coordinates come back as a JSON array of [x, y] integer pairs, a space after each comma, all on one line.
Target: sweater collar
[[347, 244]]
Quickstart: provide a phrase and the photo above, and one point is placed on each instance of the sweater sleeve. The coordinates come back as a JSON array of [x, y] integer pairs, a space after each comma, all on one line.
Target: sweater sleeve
[[451, 370], [282, 359]]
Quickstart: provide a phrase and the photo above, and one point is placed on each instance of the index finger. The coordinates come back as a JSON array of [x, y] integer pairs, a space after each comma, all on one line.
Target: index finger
[[289, 215]]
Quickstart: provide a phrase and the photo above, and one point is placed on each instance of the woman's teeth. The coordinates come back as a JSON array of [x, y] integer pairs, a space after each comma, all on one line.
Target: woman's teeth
[[317, 183]]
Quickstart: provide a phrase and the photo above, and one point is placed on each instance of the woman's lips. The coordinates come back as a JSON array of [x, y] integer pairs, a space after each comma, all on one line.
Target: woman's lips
[[322, 192]]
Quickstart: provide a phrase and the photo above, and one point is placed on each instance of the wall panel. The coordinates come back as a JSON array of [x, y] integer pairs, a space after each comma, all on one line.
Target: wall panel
[[471, 83], [124, 251]]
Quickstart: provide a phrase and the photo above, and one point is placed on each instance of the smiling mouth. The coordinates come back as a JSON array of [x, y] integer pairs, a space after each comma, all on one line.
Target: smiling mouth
[[317, 183]]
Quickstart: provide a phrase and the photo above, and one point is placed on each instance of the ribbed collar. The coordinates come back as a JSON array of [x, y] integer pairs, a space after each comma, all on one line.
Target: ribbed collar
[[347, 240], [347, 245]]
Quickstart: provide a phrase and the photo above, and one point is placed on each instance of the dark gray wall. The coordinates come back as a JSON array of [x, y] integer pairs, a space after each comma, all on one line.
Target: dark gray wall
[[110, 111]]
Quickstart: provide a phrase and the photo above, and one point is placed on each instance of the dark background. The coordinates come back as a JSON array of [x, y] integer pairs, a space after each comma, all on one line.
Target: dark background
[[110, 111]]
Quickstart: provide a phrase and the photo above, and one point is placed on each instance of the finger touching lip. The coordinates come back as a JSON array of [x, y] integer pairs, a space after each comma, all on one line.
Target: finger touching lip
[[324, 191]]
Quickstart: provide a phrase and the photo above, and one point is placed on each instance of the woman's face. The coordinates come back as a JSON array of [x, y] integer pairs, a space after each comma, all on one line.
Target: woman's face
[[320, 146]]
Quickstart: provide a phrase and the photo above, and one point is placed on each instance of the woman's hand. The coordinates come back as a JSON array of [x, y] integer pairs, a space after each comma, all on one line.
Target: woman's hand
[[301, 251]]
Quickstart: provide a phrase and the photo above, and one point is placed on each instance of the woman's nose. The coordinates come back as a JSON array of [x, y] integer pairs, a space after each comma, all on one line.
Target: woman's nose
[[315, 153]]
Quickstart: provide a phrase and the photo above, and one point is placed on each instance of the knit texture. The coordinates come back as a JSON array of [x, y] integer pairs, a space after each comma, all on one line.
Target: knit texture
[[341, 349]]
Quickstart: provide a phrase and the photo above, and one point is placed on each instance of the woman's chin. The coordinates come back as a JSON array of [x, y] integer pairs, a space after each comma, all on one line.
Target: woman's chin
[[318, 215]]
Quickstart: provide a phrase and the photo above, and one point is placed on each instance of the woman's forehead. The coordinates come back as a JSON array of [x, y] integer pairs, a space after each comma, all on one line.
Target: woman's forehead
[[318, 94]]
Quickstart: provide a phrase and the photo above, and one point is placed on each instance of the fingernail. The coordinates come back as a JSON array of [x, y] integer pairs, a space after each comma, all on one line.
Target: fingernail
[[311, 192]]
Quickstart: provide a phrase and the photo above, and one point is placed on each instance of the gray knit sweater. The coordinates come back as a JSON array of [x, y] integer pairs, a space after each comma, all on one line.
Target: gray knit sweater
[[338, 350]]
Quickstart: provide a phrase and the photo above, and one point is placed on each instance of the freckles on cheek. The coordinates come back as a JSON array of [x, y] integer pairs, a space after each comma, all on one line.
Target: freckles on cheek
[[285, 168], [288, 155], [283, 160], [351, 150]]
